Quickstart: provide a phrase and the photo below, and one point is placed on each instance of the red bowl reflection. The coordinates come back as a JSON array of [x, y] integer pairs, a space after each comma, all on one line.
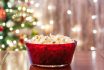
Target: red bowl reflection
[[51, 54]]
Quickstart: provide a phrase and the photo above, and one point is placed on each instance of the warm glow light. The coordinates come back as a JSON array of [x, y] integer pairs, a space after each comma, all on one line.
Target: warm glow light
[[14, 42], [38, 14], [34, 23], [21, 47], [9, 43], [28, 10], [11, 29], [9, 24], [42, 27], [51, 7], [0, 49], [25, 39], [47, 28], [31, 11], [94, 16], [37, 5], [24, 8], [9, 4], [76, 29], [7, 10], [26, 0], [19, 1], [69, 12], [29, 18], [39, 23], [19, 8], [51, 22], [92, 48], [94, 31], [93, 56], [22, 25], [95, 1], [1, 37], [17, 31], [16, 49], [3, 46], [3, 24], [24, 14], [11, 10], [32, 1]]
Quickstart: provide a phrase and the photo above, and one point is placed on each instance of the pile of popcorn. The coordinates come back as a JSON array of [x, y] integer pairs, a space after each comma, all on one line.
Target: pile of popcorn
[[51, 39]]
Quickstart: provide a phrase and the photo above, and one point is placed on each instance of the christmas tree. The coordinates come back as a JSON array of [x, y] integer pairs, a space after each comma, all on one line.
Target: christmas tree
[[15, 23]]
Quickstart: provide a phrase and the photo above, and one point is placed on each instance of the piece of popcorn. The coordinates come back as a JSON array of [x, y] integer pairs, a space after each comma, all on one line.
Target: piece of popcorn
[[52, 39]]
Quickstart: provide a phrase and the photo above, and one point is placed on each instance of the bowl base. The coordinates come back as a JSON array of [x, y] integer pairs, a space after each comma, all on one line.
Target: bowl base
[[51, 66]]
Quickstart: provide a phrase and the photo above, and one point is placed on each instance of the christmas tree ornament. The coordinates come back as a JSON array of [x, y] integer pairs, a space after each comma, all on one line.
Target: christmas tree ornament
[[2, 14], [1, 28], [14, 21], [10, 23]]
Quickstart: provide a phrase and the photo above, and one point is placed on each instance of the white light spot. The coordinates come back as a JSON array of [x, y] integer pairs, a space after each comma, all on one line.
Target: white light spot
[[1, 37], [11, 10], [7, 10], [16, 49], [24, 14], [92, 48], [17, 31], [0, 49], [26, 0], [32, 1], [9, 4], [31, 11], [37, 5], [76, 29], [3, 24], [29, 18], [9, 42], [11, 29], [95, 1], [51, 7], [28, 10], [47, 27], [51, 22], [25, 39], [19, 8], [42, 27], [38, 14], [34, 23], [19, 1], [14, 42], [94, 31], [21, 47], [24, 8], [94, 16], [3, 46], [22, 25], [69, 12], [39, 24]]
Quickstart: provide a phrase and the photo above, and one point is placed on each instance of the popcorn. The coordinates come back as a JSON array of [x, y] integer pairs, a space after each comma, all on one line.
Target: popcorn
[[51, 39]]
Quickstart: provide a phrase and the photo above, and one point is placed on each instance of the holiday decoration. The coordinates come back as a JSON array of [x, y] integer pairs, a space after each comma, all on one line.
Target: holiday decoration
[[15, 20], [1, 28], [2, 14]]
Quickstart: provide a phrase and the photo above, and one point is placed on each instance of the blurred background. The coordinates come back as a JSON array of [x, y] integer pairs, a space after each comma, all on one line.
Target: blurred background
[[82, 20]]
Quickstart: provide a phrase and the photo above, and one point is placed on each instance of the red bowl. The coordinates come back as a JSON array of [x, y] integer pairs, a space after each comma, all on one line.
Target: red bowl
[[51, 54]]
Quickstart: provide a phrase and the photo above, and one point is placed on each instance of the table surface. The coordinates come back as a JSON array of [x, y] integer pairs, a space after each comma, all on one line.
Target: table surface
[[82, 60]]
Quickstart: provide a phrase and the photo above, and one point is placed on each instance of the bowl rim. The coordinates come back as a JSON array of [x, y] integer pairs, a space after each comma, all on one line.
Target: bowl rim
[[27, 42]]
